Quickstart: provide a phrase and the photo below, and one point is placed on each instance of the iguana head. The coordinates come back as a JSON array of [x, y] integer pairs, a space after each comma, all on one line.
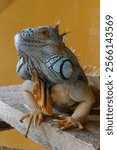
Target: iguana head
[[42, 49]]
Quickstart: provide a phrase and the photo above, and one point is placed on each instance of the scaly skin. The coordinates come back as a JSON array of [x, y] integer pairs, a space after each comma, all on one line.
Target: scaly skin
[[59, 80]]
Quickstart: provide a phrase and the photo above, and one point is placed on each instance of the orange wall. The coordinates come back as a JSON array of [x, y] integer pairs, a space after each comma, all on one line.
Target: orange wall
[[16, 140], [80, 16]]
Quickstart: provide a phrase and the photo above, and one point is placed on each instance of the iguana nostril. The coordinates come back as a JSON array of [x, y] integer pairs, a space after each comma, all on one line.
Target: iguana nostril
[[24, 34]]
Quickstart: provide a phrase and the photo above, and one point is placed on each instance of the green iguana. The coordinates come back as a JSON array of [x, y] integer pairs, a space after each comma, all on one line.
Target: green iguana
[[57, 78]]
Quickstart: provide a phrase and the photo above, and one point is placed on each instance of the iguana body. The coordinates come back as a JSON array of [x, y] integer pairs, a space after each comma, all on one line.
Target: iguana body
[[59, 80]]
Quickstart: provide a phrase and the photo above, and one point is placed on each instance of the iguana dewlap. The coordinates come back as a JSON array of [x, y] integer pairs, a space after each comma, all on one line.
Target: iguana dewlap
[[58, 77]]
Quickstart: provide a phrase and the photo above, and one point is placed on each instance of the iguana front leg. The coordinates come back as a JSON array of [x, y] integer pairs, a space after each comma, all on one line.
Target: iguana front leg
[[33, 98], [38, 101], [35, 115], [83, 94]]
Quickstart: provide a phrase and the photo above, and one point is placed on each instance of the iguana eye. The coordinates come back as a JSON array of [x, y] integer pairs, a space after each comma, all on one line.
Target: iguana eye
[[45, 33]]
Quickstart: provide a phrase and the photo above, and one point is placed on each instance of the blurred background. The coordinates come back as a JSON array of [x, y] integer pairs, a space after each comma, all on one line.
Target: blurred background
[[82, 17]]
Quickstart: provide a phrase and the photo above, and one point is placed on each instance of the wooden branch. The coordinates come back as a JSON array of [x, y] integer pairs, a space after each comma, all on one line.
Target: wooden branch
[[12, 108]]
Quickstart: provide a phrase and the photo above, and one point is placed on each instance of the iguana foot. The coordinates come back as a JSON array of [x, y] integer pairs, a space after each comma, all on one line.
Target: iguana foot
[[34, 116], [67, 122]]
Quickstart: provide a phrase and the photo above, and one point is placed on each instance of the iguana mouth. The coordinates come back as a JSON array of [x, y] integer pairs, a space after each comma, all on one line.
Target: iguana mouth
[[32, 43]]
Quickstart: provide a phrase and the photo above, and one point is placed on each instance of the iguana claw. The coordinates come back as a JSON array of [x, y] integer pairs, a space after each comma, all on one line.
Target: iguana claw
[[34, 116], [67, 122]]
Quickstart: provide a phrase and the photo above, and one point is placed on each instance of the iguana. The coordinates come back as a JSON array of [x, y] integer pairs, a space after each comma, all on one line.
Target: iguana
[[57, 78]]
